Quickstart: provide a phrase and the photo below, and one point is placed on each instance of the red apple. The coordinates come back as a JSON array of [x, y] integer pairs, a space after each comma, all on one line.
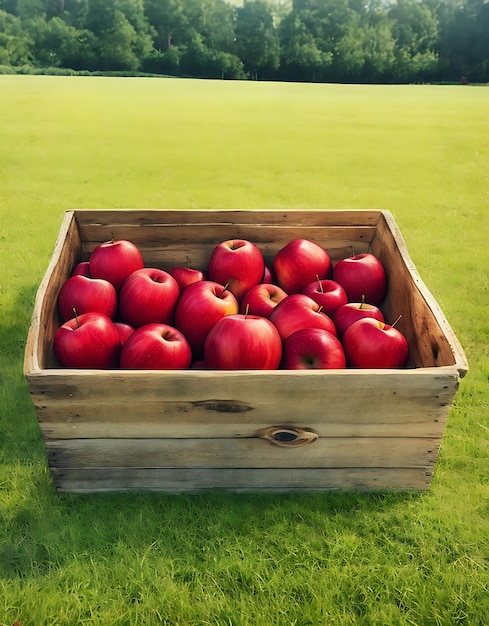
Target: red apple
[[82, 268], [361, 275], [269, 276], [238, 264], [328, 294], [299, 311], [369, 343], [353, 311], [299, 263], [124, 330], [89, 340], [148, 296], [115, 261], [262, 299], [242, 342], [186, 276], [86, 295], [156, 347], [313, 348], [199, 307]]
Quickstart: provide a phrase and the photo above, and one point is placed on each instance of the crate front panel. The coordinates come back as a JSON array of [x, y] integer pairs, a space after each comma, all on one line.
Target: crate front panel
[[207, 404]]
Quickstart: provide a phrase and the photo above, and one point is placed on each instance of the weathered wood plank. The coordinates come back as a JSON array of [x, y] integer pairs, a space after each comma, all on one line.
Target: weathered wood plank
[[431, 340], [179, 414], [295, 217], [162, 235], [243, 453], [67, 252], [410, 410], [366, 386], [166, 238], [145, 409], [54, 429], [74, 480], [176, 252]]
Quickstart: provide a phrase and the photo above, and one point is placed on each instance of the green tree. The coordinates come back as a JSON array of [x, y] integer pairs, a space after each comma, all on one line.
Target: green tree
[[71, 11], [133, 11], [205, 62], [217, 27], [122, 34], [415, 30], [16, 46], [379, 46], [169, 22], [463, 40], [9, 6], [54, 8], [29, 10], [60, 45], [116, 45], [257, 41], [335, 25], [164, 62], [301, 58]]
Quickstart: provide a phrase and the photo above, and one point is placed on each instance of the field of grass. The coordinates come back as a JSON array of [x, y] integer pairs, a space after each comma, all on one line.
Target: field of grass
[[336, 559]]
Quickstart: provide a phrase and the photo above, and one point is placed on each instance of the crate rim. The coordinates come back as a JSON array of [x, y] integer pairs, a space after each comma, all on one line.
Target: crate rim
[[460, 366]]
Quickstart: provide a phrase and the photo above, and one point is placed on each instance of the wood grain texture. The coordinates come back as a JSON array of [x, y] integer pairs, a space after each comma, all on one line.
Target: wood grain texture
[[249, 452], [45, 319], [193, 430], [193, 480], [152, 405]]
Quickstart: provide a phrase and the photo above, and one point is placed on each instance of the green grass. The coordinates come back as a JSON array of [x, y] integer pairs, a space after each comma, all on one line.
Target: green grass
[[249, 560]]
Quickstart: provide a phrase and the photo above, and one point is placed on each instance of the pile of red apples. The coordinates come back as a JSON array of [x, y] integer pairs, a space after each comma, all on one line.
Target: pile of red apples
[[299, 312]]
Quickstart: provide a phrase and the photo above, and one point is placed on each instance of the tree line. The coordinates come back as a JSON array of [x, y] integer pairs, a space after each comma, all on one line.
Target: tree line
[[366, 41]]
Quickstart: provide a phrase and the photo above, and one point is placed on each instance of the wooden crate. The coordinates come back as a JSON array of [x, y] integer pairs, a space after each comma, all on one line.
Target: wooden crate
[[179, 431]]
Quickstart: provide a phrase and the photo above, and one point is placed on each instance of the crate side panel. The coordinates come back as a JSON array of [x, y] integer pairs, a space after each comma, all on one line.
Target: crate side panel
[[431, 344], [45, 320], [75, 480]]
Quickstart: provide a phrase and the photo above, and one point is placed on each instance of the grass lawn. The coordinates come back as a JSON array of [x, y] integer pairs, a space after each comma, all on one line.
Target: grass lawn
[[336, 559]]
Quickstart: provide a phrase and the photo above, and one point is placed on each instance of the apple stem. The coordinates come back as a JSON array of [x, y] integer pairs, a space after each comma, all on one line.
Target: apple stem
[[398, 318], [320, 309], [319, 283], [363, 302], [76, 317], [352, 251], [247, 310], [224, 289]]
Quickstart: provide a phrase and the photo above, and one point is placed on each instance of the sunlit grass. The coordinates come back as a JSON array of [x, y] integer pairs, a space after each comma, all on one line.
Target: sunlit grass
[[317, 559]]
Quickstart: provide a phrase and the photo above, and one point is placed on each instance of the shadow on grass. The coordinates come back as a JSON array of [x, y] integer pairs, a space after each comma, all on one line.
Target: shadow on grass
[[44, 531], [20, 438]]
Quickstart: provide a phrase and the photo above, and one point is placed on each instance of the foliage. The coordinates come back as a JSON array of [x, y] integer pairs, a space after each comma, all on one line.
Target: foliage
[[304, 40]]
